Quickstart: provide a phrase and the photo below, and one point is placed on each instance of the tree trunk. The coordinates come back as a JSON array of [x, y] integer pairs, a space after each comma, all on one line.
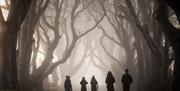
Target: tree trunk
[[173, 35], [9, 51], [176, 80], [31, 85], [17, 13], [3, 66]]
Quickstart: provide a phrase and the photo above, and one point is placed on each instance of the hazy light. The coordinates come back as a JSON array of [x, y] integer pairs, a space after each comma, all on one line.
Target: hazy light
[[2, 2], [87, 69], [4, 11]]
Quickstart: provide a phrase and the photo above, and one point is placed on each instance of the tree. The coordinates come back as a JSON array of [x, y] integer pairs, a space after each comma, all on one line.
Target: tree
[[172, 33], [17, 12], [35, 79]]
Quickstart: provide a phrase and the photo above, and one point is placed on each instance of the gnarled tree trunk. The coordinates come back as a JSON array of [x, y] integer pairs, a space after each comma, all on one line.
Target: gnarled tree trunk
[[9, 31]]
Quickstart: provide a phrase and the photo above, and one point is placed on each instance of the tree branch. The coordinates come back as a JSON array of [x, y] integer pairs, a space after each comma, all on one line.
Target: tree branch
[[92, 27], [68, 52], [101, 60], [109, 37], [144, 30], [76, 5], [105, 50], [45, 34], [78, 12], [112, 24], [35, 52], [50, 50], [42, 9], [104, 69], [47, 23], [78, 66]]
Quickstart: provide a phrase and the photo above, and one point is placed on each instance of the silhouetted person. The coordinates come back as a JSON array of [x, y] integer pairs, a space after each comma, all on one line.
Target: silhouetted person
[[110, 81], [83, 84], [94, 84], [67, 84], [126, 80]]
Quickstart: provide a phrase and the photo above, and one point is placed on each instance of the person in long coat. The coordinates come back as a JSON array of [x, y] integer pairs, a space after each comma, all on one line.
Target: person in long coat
[[67, 84], [110, 81], [83, 84], [94, 84]]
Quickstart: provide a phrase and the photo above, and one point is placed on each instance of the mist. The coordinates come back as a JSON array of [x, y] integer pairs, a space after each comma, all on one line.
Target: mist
[[54, 39]]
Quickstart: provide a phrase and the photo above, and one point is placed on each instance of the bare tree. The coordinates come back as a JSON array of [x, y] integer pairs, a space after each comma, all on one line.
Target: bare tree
[[35, 79], [9, 29]]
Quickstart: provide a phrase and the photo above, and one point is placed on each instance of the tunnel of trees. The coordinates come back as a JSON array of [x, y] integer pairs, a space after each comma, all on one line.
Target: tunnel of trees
[[42, 41]]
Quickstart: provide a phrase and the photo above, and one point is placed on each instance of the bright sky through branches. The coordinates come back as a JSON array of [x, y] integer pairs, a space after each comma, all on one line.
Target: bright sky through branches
[[2, 2], [5, 11]]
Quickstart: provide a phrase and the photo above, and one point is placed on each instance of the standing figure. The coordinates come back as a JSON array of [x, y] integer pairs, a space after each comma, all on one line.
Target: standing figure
[[110, 81], [83, 84], [67, 84], [126, 80], [94, 84]]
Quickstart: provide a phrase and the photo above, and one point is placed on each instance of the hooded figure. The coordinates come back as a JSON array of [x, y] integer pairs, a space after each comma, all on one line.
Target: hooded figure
[[94, 84], [126, 80], [110, 81], [83, 84], [67, 84]]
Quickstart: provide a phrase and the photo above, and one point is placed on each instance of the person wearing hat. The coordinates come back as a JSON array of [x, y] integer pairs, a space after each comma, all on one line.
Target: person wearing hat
[[94, 84]]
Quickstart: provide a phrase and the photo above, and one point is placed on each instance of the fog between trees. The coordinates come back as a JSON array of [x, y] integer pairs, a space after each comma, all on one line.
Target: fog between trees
[[42, 41]]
